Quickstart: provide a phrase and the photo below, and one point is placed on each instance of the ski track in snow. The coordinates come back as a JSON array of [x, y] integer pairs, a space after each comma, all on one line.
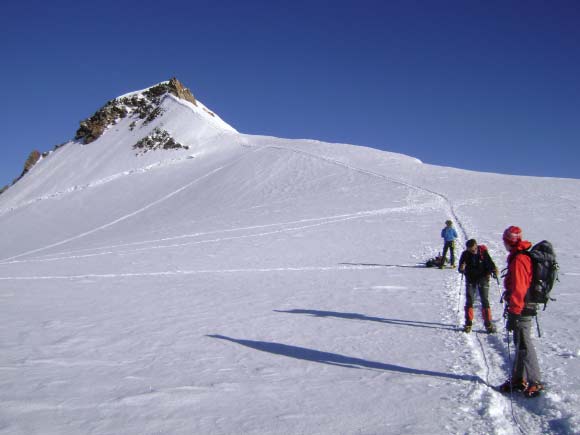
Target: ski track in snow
[[497, 414], [316, 222], [81, 187], [331, 268], [445, 199], [130, 215]]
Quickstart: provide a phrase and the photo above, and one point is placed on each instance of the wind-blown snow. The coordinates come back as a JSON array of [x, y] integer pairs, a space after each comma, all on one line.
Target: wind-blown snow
[[259, 285]]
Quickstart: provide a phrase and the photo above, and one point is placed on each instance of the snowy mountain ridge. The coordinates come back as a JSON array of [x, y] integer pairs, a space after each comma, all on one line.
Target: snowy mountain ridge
[[118, 139], [131, 118], [233, 283]]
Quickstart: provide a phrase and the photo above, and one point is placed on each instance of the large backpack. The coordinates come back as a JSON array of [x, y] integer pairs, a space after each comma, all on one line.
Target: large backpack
[[545, 273], [437, 261]]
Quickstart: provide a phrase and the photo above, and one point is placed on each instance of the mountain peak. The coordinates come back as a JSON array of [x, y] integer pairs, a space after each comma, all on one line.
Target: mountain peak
[[144, 104], [164, 118]]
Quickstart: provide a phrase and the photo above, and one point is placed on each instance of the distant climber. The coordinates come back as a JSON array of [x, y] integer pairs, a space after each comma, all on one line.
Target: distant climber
[[449, 235]]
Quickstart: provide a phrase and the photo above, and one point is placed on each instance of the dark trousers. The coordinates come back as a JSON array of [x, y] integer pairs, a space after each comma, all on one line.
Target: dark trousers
[[480, 285], [472, 287], [526, 365], [451, 247]]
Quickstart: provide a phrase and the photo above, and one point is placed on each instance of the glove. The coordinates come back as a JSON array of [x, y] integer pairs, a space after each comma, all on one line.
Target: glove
[[512, 321]]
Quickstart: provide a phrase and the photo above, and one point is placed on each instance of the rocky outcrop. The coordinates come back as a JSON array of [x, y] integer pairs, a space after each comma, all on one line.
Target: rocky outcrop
[[145, 106], [32, 160], [93, 127], [174, 87], [180, 91], [158, 140]]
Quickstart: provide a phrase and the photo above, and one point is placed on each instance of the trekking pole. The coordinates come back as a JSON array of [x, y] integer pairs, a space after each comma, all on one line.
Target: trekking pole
[[507, 333], [538, 326], [498, 283], [459, 296], [511, 368]]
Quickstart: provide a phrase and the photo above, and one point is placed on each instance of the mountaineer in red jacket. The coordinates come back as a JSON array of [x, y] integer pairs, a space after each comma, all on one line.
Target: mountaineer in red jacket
[[526, 371]]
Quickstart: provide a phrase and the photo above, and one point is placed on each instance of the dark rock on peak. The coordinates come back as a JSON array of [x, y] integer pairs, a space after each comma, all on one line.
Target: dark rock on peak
[[180, 91], [145, 106], [174, 87], [159, 139], [32, 160], [92, 128]]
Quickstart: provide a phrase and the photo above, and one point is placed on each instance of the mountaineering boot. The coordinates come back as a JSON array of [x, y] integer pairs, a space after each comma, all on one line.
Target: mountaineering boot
[[533, 390], [489, 328], [486, 314], [517, 386], [468, 319]]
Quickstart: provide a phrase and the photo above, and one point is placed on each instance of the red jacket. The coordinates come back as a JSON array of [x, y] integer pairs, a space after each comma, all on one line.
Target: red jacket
[[518, 278]]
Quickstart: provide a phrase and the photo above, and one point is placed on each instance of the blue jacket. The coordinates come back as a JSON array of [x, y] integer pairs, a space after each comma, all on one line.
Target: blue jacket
[[449, 234]]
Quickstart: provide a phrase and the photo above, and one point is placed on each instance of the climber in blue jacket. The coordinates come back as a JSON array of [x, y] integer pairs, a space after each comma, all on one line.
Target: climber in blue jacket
[[449, 235]]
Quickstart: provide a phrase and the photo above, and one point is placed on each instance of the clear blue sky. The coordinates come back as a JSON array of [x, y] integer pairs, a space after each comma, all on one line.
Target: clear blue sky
[[488, 85]]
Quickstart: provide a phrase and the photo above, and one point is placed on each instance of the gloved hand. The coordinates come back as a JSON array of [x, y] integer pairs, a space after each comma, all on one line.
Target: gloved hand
[[512, 321]]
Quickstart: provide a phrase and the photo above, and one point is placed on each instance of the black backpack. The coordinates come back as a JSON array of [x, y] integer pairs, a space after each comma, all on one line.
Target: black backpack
[[545, 273], [437, 261]]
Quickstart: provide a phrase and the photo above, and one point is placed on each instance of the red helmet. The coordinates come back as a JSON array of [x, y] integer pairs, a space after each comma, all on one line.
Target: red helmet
[[512, 235]]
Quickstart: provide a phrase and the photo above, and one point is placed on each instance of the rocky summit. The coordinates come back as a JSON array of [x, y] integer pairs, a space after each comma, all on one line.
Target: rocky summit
[[144, 105], [141, 108]]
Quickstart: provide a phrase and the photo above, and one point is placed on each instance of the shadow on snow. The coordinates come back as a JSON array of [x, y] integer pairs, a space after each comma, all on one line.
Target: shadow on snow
[[356, 316], [335, 359]]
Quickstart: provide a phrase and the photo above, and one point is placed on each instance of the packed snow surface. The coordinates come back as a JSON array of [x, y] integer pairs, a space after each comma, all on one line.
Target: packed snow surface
[[256, 285]]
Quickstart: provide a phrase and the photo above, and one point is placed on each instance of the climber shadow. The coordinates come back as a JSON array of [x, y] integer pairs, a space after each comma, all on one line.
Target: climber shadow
[[356, 316], [338, 360]]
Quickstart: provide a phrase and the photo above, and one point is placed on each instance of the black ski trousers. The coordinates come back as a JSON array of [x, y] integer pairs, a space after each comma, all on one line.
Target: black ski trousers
[[451, 247], [472, 287]]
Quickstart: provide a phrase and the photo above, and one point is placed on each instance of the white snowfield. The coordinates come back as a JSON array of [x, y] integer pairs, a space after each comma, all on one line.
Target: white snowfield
[[256, 285]]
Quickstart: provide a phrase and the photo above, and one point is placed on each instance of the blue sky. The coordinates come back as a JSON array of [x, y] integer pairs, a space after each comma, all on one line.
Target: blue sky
[[483, 85]]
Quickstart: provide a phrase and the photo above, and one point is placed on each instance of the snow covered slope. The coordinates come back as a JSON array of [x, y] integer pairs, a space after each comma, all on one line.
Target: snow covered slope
[[250, 284]]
